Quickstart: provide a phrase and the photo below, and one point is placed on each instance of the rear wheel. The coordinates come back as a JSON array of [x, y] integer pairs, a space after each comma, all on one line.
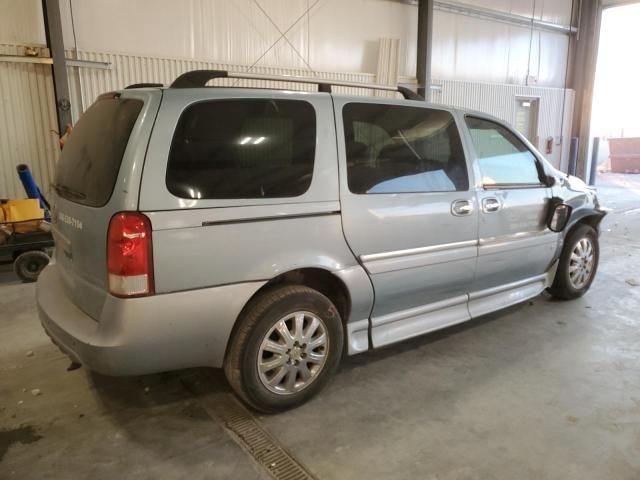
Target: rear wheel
[[285, 349], [28, 265], [578, 263]]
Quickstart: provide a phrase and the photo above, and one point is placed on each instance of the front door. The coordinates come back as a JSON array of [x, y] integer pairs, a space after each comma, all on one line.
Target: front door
[[515, 248], [408, 213]]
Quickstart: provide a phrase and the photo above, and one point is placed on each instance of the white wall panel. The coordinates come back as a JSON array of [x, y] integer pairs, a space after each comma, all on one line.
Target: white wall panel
[[27, 119], [552, 50], [336, 35], [21, 22], [468, 48], [387, 72], [356, 26]]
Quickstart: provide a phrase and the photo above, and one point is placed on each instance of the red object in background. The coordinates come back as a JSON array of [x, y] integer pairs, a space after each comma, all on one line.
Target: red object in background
[[625, 155]]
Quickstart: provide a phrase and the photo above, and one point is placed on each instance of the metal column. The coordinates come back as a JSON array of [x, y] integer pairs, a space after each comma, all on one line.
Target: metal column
[[55, 43], [425, 34], [595, 153], [582, 73]]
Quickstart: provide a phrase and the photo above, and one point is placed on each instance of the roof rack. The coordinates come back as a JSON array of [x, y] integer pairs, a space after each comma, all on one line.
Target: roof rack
[[143, 85], [199, 78]]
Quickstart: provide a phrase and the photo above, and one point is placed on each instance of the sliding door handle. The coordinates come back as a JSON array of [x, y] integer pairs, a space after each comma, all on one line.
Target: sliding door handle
[[460, 208]]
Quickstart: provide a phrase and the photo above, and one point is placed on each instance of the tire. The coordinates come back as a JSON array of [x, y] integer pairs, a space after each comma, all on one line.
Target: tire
[[262, 357], [565, 286], [28, 265]]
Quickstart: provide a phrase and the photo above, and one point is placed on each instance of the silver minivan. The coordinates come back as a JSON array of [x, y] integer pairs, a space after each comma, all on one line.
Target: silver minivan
[[269, 232]]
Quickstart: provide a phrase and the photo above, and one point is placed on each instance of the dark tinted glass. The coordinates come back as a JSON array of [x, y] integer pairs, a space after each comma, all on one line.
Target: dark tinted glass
[[396, 149], [243, 149], [91, 158], [503, 159]]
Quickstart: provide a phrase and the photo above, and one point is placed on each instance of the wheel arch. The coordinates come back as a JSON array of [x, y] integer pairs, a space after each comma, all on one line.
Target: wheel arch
[[324, 281], [591, 218], [561, 286], [330, 284]]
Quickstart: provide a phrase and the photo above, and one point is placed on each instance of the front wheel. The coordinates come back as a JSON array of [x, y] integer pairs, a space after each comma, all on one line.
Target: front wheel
[[286, 347], [578, 264]]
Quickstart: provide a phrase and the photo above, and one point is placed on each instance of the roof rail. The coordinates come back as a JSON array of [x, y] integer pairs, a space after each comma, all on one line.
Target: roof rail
[[199, 78], [143, 85]]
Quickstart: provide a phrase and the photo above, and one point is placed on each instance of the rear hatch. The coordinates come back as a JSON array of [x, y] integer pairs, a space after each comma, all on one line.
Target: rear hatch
[[98, 175]]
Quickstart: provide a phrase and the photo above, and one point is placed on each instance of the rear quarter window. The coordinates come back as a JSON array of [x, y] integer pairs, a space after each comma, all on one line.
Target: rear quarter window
[[91, 158], [249, 148]]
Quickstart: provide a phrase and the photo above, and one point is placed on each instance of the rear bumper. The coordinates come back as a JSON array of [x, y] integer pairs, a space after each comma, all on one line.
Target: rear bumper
[[143, 335]]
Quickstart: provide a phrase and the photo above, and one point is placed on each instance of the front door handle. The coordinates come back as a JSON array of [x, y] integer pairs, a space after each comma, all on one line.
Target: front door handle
[[460, 208], [490, 205]]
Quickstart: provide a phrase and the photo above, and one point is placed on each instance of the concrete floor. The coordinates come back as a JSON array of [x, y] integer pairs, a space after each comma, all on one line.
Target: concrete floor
[[543, 390]]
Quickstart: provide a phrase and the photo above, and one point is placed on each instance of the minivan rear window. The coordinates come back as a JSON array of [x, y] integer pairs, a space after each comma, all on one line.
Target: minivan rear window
[[91, 158], [244, 148]]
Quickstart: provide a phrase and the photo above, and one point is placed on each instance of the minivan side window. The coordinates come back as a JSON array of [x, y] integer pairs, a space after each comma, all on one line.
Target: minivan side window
[[503, 159], [401, 149], [245, 148]]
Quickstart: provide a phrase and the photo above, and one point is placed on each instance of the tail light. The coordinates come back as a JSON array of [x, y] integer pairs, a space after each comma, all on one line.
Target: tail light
[[129, 255]]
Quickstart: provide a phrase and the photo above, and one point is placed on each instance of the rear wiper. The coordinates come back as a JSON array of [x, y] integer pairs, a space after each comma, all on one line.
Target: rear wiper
[[63, 190]]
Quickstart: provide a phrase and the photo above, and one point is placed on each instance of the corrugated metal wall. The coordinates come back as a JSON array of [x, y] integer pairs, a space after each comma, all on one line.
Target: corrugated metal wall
[[27, 123]]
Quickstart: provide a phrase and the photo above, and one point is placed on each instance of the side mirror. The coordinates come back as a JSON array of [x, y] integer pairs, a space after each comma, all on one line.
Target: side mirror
[[550, 180], [558, 216]]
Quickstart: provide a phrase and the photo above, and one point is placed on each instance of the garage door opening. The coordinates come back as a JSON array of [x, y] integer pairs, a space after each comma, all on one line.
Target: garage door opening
[[615, 129]]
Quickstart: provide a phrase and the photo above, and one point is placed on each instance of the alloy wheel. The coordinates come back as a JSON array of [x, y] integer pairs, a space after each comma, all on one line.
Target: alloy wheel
[[581, 263], [293, 352]]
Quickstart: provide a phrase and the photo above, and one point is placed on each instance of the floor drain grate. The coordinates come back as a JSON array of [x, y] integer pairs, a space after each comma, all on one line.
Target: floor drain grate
[[251, 436]]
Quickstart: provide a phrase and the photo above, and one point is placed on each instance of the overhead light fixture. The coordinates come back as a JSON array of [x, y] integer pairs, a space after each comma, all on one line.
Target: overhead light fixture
[[259, 140], [245, 140]]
